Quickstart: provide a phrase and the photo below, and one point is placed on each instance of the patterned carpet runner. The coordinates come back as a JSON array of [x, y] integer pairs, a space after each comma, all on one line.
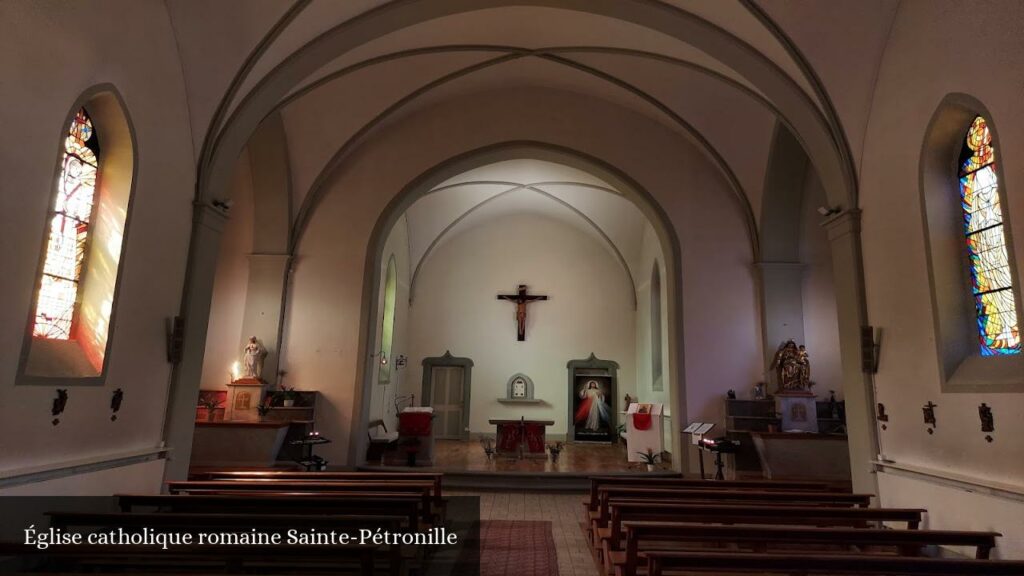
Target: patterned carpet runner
[[517, 547]]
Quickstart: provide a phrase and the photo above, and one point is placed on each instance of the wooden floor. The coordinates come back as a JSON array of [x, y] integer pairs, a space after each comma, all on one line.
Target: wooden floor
[[451, 455], [565, 513]]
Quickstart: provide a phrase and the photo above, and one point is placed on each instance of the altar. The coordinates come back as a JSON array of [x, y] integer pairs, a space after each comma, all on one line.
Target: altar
[[521, 438]]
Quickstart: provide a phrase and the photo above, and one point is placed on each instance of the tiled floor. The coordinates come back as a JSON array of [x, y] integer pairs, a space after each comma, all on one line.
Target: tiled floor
[[565, 513]]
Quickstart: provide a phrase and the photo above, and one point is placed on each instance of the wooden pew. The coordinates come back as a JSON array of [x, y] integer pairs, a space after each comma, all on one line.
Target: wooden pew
[[319, 489], [610, 537], [646, 536], [427, 517], [754, 497], [243, 523], [194, 560], [408, 507], [659, 562], [435, 477], [694, 484]]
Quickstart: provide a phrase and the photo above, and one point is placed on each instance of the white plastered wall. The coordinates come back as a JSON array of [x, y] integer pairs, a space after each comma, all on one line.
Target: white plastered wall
[[934, 51], [589, 309], [230, 285], [322, 329], [821, 323], [48, 63]]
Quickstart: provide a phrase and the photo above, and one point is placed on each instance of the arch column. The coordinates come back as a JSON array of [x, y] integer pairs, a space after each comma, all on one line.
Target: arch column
[[858, 386], [179, 422]]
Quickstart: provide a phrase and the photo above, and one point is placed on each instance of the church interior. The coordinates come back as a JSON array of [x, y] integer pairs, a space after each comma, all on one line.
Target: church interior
[[601, 287]]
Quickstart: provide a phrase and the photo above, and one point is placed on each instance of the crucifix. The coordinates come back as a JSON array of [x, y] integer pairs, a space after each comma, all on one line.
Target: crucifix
[[521, 298]]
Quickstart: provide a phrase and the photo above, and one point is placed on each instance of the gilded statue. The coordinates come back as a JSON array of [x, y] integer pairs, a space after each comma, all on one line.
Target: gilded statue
[[792, 366]]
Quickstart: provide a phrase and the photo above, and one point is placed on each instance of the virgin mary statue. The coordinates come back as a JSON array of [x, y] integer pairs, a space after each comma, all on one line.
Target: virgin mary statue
[[592, 411]]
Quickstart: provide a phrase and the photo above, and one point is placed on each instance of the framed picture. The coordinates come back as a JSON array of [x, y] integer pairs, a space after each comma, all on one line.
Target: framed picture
[[592, 409]]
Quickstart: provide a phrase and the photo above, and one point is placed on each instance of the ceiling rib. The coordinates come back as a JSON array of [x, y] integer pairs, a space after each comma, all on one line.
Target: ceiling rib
[[312, 197], [533, 187]]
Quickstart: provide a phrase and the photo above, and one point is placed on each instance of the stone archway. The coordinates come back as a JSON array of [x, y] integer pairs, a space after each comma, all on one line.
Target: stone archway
[[454, 166]]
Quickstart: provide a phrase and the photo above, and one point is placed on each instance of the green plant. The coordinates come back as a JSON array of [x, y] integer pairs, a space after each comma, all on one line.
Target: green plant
[[649, 457], [263, 408], [286, 393]]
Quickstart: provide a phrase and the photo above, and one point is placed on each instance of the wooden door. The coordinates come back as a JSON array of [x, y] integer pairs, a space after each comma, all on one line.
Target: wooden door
[[448, 399]]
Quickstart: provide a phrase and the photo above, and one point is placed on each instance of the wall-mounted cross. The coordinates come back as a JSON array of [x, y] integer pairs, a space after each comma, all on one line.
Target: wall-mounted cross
[[521, 298]]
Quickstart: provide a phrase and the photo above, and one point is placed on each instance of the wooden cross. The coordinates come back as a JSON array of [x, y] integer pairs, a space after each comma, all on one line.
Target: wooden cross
[[521, 298]]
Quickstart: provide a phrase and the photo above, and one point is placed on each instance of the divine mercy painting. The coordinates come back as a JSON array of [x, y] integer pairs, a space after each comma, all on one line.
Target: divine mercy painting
[[592, 409]]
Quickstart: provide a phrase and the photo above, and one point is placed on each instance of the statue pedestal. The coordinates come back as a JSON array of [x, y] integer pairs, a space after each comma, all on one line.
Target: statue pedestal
[[799, 411], [244, 395]]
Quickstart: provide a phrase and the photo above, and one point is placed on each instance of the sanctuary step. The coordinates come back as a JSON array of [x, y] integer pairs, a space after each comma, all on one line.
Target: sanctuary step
[[523, 481]]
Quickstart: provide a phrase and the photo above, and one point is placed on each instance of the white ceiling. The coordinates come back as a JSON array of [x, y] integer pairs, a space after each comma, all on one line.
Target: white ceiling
[[663, 77], [530, 187]]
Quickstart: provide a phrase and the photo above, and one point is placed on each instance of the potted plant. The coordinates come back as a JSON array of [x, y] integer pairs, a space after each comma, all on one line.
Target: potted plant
[[263, 408], [211, 404], [649, 458], [288, 396], [555, 449]]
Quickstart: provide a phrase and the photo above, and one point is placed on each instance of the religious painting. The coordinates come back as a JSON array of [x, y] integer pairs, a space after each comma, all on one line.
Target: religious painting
[[592, 420]]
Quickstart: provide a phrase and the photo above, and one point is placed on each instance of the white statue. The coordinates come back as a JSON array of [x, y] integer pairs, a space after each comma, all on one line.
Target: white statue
[[252, 359]]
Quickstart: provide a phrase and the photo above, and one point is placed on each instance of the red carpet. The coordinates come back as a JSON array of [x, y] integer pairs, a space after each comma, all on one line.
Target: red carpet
[[517, 547]]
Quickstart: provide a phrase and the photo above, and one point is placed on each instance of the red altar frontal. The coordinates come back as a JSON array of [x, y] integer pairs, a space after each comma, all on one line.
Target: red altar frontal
[[522, 438]]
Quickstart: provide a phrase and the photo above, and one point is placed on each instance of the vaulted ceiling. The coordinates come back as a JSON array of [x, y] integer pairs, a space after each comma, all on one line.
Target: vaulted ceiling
[[337, 71], [527, 187]]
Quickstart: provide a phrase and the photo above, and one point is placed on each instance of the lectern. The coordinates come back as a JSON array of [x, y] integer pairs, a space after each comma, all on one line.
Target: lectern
[[645, 430]]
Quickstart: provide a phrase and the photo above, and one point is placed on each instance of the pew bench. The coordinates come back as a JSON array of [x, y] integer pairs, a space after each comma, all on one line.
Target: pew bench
[[435, 477], [193, 560], [610, 537], [661, 563], [408, 507], [597, 482], [646, 536], [753, 497], [393, 556], [422, 488]]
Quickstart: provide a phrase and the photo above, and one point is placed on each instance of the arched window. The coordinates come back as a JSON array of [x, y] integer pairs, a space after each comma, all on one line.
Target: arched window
[[657, 381], [71, 319], [387, 334], [56, 314], [991, 275]]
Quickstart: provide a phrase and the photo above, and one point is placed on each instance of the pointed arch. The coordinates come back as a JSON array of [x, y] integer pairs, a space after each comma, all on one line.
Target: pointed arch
[[69, 330]]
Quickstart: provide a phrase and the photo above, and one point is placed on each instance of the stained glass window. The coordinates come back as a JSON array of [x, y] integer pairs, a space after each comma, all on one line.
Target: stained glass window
[[68, 232], [991, 276]]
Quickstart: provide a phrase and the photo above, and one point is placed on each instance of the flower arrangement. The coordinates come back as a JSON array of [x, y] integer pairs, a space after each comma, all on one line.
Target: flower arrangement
[[555, 449], [287, 395], [211, 404], [263, 408]]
